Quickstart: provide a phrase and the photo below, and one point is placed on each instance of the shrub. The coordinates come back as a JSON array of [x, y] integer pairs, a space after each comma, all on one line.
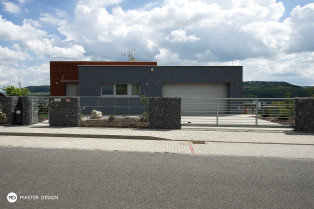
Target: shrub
[[16, 91], [111, 117], [144, 117], [3, 116]]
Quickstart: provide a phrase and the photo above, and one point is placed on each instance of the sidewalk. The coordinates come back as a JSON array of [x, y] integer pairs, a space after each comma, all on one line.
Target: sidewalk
[[253, 135], [232, 141]]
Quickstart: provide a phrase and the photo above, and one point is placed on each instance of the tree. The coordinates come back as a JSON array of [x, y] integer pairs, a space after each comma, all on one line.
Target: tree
[[144, 100], [15, 91], [144, 115], [311, 92]]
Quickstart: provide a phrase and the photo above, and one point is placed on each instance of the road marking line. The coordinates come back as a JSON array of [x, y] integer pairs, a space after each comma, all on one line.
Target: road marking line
[[192, 149]]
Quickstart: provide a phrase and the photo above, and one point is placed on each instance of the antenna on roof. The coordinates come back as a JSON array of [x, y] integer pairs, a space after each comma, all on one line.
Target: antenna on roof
[[131, 56]]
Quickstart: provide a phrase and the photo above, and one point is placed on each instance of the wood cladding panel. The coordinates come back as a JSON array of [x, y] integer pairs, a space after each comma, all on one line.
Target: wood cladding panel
[[69, 71]]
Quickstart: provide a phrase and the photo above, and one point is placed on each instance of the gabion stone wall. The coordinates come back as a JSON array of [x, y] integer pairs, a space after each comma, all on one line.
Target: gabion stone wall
[[28, 106], [304, 114], [29, 110], [165, 113], [10, 103], [64, 111]]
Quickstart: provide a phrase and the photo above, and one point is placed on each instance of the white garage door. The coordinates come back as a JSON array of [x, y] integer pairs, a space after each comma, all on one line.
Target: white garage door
[[197, 98]]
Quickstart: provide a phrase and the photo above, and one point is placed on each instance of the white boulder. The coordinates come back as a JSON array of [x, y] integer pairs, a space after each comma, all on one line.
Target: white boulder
[[96, 114]]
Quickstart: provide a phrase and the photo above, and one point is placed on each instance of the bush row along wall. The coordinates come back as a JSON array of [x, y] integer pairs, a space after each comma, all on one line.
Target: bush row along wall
[[165, 113], [304, 114], [64, 111], [28, 107]]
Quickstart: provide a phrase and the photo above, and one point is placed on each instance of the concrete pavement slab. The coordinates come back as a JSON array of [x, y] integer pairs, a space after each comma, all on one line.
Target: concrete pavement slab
[[209, 134]]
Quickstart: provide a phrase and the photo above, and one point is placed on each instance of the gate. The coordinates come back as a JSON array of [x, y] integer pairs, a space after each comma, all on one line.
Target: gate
[[43, 113], [267, 112]]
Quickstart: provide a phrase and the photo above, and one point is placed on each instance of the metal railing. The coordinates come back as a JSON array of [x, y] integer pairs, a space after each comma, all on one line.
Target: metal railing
[[113, 105], [238, 111], [43, 104]]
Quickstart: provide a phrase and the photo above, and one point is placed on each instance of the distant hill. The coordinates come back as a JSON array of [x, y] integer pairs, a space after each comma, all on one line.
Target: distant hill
[[272, 89], [39, 90], [45, 88]]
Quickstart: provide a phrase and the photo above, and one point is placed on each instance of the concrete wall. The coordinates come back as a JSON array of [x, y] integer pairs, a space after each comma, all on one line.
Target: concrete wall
[[304, 114], [64, 111], [91, 77], [165, 113], [28, 106]]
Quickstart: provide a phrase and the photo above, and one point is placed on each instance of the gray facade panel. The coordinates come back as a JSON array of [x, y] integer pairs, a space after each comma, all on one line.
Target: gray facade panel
[[91, 77]]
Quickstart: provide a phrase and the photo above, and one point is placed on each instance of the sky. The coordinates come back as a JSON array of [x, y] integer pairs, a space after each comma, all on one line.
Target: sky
[[272, 40]]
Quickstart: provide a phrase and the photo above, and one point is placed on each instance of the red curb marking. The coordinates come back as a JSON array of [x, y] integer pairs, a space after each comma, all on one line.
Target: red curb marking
[[192, 149], [2, 136]]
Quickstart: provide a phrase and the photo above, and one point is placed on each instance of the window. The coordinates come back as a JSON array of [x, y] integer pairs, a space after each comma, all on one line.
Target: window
[[120, 89], [107, 89], [135, 89]]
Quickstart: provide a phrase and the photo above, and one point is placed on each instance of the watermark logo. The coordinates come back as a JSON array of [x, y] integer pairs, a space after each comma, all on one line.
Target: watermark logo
[[12, 197]]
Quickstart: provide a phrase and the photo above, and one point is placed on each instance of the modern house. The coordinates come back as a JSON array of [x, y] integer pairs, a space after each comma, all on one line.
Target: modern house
[[107, 80], [160, 81]]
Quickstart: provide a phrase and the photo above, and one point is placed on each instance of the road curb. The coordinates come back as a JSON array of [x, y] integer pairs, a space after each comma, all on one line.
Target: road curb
[[132, 137], [84, 136]]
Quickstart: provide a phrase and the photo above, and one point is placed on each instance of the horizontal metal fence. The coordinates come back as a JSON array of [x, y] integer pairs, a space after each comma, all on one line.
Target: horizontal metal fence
[[113, 105], [238, 111]]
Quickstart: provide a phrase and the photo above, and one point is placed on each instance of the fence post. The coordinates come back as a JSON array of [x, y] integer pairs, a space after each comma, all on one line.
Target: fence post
[[256, 112], [217, 112]]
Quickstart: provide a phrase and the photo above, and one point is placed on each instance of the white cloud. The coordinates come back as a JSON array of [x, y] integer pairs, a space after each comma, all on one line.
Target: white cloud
[[38, 41], [11, 7], [98, 3], [59, 18], [10, 31], [29, 76], [46, 48], [302, 24], [23, 1], [180, 36], [166, 56], [294, 68], [246, 29], [31, 22], [8, 55]]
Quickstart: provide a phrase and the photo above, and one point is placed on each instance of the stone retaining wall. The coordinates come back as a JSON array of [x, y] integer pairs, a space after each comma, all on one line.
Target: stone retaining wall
[[165, 113], [29, 110], [10, 103], [304, 114], [64, 111], [28, 106]]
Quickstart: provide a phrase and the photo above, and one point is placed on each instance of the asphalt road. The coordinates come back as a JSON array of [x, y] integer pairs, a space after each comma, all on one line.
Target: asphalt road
[[100, 179]]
